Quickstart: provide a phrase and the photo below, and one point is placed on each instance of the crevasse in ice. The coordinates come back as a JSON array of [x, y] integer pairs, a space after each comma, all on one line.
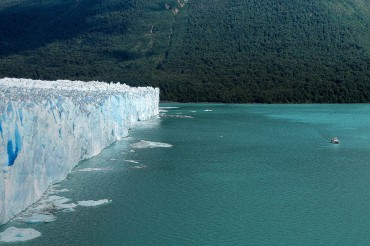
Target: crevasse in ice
[[47, 127]]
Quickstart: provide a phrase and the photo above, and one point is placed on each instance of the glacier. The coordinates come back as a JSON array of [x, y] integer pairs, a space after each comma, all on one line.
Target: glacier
[[47, 127]]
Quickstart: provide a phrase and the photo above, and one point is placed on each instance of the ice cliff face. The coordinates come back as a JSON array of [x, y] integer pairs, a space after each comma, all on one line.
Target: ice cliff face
[[47, 127]]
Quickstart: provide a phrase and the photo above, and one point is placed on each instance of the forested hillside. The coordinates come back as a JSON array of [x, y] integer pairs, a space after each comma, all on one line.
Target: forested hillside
[[274, 51]]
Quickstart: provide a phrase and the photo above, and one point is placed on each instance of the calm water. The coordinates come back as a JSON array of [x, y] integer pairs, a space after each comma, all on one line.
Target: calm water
[[236, 175]]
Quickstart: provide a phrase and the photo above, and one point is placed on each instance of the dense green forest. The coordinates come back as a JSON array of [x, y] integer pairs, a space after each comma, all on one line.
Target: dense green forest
[[275, 51]]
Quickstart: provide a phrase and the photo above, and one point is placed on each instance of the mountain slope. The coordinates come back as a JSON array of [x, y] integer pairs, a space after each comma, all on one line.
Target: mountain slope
[[229, 51]]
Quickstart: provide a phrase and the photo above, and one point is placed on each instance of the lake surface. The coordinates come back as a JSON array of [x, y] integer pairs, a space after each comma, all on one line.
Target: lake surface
[[235, 175]]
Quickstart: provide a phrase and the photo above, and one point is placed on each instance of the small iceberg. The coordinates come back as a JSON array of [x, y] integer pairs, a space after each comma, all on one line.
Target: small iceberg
[[148, 144], [14, 234], [39, 218], [139, 167], [92, 203], [132, 161]]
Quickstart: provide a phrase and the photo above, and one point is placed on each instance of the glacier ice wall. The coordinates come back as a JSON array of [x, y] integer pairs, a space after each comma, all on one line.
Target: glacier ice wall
[[47, 127]]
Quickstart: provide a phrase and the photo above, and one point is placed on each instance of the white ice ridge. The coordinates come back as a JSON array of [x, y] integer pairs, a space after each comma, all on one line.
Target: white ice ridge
[[47, 127]]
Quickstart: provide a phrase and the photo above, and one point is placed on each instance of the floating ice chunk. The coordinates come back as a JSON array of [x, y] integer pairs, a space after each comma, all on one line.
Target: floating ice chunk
[[67, 206], [148, 144], [56, 200], [132, 161], [62, 190], [208, 110], [92, 203], [176, 116], [168, 107], [139, 167], [53, 191], [14, 234], [39, 218], [90, 169]]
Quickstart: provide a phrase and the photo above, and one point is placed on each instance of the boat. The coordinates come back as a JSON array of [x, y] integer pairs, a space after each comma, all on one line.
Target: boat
[[334, 141]]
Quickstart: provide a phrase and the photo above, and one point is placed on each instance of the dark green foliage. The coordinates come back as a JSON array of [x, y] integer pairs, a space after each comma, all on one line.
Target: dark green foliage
[[277, 51]]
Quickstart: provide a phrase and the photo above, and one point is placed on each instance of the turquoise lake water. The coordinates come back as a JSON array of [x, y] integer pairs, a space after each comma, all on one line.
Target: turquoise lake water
[[236, 175]]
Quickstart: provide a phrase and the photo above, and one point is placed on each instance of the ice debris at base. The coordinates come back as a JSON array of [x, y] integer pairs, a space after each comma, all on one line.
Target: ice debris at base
[[148, 144], [42, 211], [47, 127], [14, 234], [163, 113], [91, 203], [59, 191], [176, 116]]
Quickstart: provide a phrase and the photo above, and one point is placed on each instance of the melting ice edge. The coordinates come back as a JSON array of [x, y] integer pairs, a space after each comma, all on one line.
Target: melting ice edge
[[47, 127]]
